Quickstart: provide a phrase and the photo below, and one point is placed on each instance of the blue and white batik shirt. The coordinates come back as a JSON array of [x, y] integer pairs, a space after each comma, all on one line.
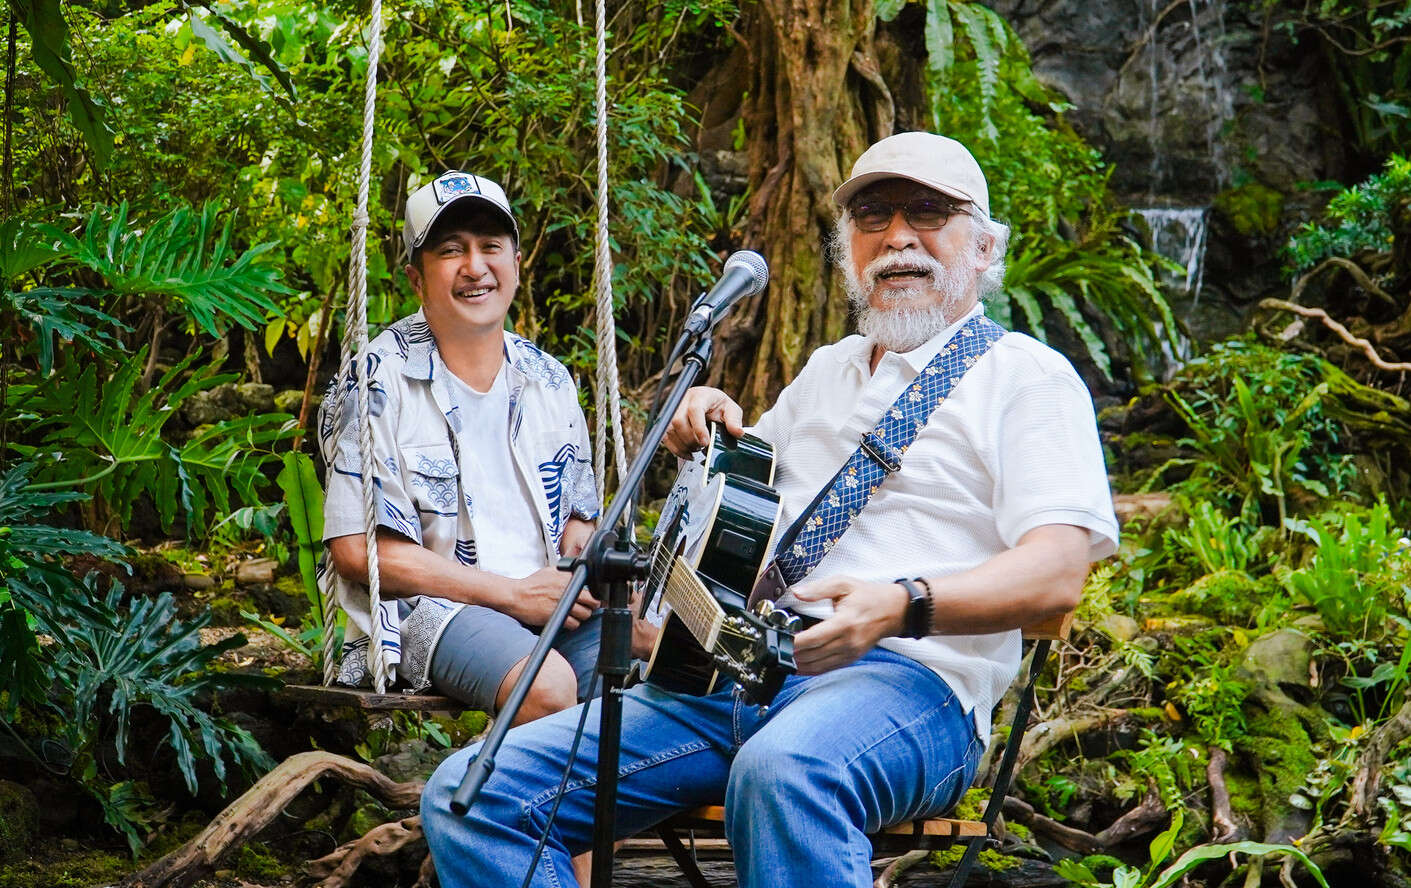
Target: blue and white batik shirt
[[421, 479]]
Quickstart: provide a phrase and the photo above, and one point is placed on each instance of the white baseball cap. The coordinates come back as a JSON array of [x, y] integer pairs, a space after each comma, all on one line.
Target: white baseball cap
[[428, 202], [926, 158]]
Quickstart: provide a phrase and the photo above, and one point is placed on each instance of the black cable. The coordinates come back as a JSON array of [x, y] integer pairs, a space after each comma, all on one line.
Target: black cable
[[563, 784]]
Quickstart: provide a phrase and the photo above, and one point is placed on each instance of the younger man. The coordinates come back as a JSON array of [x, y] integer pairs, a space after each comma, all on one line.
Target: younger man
[[483, 474]]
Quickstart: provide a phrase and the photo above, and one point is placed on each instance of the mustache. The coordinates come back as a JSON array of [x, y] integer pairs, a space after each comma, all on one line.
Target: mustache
[[927, 265]]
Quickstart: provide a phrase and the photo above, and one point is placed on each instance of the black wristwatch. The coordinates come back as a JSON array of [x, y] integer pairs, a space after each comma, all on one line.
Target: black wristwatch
[[917, 622]]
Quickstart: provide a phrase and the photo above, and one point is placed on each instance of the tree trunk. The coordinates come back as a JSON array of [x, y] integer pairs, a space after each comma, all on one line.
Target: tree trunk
[[815, 101]]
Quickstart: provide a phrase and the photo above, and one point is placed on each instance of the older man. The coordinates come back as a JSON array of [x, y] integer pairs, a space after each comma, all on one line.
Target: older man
[[974, 505], [483, 475]]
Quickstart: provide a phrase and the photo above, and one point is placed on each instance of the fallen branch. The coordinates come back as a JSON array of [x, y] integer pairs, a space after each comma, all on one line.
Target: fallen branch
[[336, 869], [1067, 836], [1221, 816], [1140, 820], [1043, 736], [1342, 332], [1379, 743], [1358, 274], [889, 875], [258, 807]]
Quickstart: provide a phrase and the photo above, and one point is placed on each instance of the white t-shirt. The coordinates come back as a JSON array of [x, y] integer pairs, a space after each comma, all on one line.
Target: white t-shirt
[[1015, 446], [509, 540]]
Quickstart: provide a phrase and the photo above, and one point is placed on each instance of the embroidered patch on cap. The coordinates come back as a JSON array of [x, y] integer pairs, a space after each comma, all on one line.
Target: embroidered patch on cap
[[450, 187]]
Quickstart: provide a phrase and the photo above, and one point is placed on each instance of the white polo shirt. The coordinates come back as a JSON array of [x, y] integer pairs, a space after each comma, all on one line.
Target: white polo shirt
[[1014, 447]]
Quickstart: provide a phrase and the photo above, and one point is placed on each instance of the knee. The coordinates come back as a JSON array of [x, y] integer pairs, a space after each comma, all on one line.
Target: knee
[[771, 772], [555, 688], [437, 820]]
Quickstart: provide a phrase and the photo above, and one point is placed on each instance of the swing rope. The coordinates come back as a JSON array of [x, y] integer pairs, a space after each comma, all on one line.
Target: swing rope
[[354, 340], [608, 397]]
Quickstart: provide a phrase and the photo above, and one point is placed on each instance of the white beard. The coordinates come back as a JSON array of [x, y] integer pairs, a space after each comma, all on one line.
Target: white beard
[[902, 324]]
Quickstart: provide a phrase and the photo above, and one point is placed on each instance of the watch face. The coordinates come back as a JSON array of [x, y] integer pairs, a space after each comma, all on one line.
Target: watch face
[[448, 188]]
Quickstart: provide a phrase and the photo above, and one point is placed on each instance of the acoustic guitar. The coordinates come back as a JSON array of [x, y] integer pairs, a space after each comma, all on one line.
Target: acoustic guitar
[[716, 529]]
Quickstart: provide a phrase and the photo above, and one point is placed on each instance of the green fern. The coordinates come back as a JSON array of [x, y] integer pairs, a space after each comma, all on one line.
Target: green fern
[[1107, 274]]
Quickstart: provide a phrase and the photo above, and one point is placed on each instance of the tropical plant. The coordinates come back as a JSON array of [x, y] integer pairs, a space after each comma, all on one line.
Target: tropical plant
[[140, 653], [107, 655], [1367, 43], [111, 435], [1217, 541], [1356, 219], [1160, 849], [1357, 575], [32, 573], [1258, 417], [48, 30]]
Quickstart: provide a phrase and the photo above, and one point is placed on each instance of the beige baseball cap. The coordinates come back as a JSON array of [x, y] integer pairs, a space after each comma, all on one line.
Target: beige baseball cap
[[428, 202], [931, 160]]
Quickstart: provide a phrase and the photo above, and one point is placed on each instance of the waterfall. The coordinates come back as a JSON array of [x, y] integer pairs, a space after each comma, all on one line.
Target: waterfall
[[1178, 233], [1186, 58]]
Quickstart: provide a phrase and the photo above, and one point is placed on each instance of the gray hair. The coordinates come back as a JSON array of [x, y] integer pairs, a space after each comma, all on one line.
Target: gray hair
[[992, 279]]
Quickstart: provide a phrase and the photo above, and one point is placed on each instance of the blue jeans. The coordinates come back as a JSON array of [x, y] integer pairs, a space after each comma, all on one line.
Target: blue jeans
[[837, 756]]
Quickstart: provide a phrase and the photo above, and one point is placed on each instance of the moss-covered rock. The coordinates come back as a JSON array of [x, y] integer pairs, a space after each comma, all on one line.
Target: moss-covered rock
[[19, 820], [1253, 209], [1224, 596], [368, 815], [285, 597], [79, 870], [255, 861], [225, 611], [1280, 749]]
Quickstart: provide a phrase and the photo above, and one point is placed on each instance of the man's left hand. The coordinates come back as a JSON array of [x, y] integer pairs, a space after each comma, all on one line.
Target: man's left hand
[[863, 614]]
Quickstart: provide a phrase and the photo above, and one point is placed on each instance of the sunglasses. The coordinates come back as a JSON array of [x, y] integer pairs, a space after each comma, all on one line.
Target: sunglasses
[[922, 214]]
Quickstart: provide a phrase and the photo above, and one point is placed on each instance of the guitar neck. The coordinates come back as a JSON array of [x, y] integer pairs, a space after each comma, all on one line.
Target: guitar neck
[[693, 604]]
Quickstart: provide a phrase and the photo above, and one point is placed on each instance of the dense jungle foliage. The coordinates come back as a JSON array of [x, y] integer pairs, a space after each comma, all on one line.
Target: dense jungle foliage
[[178, 184]]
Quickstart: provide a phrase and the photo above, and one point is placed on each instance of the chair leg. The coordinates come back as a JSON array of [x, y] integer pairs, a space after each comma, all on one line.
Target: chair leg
[[1006, 766], [684, 859]]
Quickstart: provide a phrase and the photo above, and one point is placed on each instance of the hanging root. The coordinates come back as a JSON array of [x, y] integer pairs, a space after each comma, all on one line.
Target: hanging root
[[259, 806], [1343, 333]]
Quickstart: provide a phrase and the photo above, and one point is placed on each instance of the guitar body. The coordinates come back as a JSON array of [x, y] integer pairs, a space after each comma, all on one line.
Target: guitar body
[[715, 531]]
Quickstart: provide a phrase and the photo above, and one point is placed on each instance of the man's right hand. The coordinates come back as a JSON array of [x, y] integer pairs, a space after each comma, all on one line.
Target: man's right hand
[[533, 599], [690, 427]]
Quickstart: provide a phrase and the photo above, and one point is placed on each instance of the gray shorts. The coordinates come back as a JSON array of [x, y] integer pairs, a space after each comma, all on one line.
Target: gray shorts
[[480, 646]]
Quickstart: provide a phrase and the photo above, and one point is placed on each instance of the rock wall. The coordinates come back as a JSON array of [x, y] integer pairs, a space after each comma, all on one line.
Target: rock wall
[[1199, 103]]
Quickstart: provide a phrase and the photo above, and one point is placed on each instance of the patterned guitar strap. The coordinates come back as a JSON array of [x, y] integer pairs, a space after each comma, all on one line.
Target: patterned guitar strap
[[828, 517]]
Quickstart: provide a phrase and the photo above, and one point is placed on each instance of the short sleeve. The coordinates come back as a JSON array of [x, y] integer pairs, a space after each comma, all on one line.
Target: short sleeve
[[338, 440], [1050, 465], [582, 484]]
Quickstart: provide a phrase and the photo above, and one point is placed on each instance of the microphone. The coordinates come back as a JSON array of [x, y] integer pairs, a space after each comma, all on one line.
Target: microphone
[[745, 275]]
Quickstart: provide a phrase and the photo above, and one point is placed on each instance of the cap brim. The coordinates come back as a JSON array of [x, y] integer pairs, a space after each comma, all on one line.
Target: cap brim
[[852, 186], [431, 223]]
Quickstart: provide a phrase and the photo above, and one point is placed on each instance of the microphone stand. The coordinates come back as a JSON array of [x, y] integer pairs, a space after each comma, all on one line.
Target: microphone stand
[[608, 562]]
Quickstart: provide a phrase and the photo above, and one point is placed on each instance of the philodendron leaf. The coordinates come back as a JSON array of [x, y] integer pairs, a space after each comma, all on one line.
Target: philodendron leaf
[[49, 45]]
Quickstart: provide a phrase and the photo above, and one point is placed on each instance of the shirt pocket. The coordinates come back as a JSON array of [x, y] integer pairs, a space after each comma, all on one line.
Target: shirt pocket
[[432, 478]]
